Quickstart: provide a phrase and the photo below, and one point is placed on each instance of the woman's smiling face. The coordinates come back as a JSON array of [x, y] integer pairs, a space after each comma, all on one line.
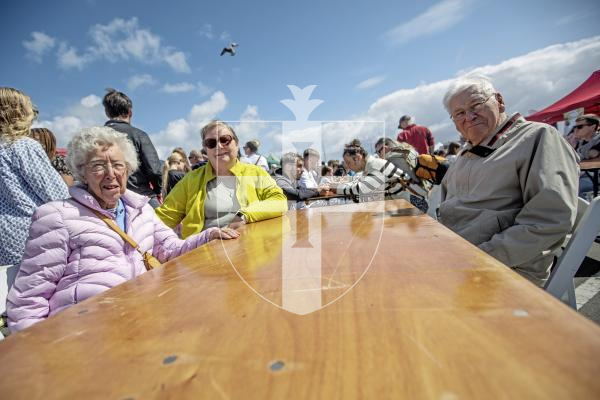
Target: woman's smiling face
[[106, 174]]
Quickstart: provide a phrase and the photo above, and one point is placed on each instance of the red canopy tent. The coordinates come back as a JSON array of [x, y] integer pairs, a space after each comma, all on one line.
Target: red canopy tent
[[587, 95]]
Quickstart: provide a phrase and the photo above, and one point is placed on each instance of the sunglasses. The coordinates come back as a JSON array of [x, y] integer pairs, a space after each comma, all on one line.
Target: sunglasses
[[580, 126], [211, 143]]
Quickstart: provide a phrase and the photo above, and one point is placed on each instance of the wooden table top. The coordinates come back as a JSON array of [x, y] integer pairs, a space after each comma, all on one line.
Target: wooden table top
[[432, 318], [594, 163]]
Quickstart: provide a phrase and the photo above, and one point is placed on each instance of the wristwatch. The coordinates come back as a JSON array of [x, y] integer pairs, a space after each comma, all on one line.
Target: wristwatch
[[241, 216]]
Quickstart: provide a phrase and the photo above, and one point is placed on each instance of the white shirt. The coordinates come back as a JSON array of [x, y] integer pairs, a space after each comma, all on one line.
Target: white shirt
[[256, 159], [308, 179]]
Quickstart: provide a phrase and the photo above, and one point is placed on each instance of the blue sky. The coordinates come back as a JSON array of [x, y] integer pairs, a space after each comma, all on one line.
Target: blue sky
[[369, 61]]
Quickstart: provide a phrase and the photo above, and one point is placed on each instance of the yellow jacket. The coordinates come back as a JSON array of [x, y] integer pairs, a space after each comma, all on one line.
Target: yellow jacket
[[258, 194]]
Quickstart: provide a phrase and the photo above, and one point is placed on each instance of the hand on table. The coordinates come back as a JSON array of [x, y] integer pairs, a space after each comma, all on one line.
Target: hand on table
[[224, 233]]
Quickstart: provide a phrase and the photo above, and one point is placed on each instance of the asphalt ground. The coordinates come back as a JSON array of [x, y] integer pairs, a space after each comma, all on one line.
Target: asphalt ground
[[587, 285]]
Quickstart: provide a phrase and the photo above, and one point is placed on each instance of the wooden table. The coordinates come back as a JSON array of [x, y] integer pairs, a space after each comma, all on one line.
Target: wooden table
[[591, 167], [432, 318]]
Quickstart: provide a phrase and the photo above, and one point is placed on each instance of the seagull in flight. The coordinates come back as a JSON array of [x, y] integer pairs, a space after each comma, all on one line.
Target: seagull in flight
[[230, 49]]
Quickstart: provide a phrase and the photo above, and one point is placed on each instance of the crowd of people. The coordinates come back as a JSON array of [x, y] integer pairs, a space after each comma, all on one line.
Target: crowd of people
[[111, 210]]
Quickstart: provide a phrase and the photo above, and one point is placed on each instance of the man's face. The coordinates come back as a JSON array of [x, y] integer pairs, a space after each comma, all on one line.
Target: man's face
[[475, 115], [382, 150], [312, 162], [584, 130], [404, 124]]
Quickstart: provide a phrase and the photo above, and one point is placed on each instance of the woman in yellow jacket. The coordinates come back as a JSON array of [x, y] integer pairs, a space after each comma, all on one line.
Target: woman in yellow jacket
[[223, 192]]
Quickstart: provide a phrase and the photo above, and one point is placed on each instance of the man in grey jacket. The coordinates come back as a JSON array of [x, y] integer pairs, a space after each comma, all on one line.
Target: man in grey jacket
[[512, 190], [147, 180]]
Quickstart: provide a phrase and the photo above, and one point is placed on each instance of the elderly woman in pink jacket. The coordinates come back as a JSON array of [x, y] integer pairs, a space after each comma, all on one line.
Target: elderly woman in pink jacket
[[74, 250]]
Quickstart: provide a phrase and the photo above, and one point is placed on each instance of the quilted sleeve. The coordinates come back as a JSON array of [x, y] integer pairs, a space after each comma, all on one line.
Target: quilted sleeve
[[42, 267], [167, 245]]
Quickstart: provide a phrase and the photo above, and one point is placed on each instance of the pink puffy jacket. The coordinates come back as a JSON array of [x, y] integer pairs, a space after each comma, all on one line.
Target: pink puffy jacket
[[71, 254]]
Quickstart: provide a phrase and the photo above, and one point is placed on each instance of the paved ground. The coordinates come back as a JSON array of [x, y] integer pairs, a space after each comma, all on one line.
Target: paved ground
[[587, 285]]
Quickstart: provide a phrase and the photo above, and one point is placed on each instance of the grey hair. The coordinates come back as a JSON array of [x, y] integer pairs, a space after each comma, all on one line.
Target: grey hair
[[88, 140], [289, 158], [480, 84], [386, 141]]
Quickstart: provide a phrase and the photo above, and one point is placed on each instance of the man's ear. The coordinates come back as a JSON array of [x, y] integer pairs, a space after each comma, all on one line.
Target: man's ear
[[500, 101]]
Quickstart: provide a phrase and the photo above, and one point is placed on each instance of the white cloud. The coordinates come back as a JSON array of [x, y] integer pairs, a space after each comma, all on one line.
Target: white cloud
[[570, 19], [186, 131], [531, 81], [177, 60], [437, 18], [137, 81], [91, 101], [370, 83], [85, 113], [181, 87], [123, 40], [207, 31], [185, 87], [68, 57], [38, 45]]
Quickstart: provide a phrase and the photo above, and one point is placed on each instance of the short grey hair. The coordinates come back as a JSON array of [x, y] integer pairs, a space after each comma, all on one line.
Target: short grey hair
[[478, 83], [386, 141], [88, 140]]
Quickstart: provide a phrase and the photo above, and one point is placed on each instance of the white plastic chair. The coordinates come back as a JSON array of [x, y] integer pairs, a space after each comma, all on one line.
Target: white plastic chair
[[560, 284]]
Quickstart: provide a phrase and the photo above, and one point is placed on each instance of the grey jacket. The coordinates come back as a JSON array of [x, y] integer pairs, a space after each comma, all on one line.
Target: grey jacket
[[518, 203]]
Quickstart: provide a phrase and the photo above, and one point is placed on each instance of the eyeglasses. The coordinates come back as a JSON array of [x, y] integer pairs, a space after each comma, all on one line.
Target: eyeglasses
[[580, 126], [101, 167], [460, 115], [211, 143]]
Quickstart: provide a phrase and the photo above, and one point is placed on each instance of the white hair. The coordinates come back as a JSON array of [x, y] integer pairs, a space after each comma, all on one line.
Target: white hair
[[480, 84], [88, 140]]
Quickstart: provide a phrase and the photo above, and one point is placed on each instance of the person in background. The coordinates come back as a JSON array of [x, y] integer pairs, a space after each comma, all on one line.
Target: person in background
[[252, 157], [72, 254], [588, 136], [326, 174], [173, 170], [405, 157], [311, 173], [184, 159], [223, 192], [197, 158], [418, 136], [147, 179], [291, 169], [512, 191], [453, 149], [587, 146], [28, 179], [380, 177], [46, 138]]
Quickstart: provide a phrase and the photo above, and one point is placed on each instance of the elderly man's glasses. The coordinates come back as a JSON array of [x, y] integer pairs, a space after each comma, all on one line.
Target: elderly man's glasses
[[101, 167], [211, 143], [580, 126], [460, 115]]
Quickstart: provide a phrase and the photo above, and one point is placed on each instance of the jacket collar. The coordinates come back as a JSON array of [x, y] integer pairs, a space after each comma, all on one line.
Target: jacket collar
[[115, 122], [237, 169]]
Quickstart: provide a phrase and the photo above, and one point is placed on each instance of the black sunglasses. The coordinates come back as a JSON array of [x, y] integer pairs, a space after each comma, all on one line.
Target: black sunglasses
[[580, 126], [211, 143]]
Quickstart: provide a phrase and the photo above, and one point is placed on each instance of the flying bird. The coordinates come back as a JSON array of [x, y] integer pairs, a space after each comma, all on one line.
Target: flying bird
[[230, 49]]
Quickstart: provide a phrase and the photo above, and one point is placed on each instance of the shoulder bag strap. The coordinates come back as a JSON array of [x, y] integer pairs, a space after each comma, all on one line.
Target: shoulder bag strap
[[112, 224]]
